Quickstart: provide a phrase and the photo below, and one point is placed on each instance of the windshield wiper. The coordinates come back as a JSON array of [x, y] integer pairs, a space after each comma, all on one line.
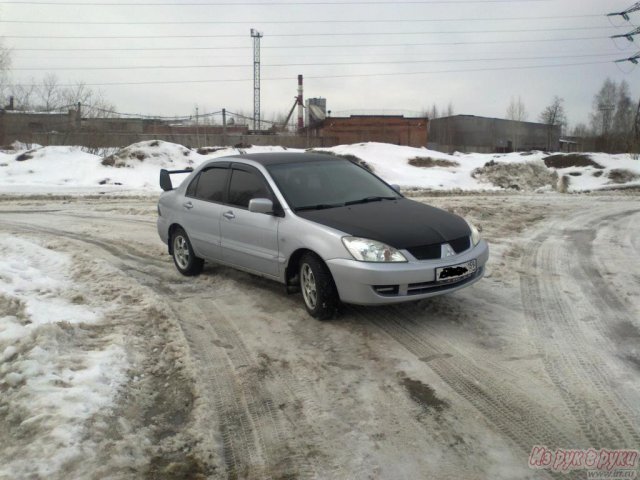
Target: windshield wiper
[[320, 206], [369, 199]]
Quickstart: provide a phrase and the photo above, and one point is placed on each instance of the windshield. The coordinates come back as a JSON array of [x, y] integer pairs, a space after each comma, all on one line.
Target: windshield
[[328, 183]]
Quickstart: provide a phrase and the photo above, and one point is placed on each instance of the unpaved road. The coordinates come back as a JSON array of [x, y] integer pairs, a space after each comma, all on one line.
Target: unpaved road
[[231, 378]]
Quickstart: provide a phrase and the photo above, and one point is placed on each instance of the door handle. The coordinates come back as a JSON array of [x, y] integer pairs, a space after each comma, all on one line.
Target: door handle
[[188, 205], [229, 215]]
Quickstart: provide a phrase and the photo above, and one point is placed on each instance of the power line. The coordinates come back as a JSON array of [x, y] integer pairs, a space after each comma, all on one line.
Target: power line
[[270, 4], [315, 64], [321, 77], [406, 56], [305, 34], [294, 47], [306, 22]]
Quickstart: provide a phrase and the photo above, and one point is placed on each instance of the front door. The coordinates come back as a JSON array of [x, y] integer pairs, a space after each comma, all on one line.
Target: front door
[[249, 239]]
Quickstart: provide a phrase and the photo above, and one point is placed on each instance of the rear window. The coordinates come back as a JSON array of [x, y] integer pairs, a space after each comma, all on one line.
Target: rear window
[[211, 184]]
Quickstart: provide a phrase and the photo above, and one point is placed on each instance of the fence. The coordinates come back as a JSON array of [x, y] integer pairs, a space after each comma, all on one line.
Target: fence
[[99, 140]]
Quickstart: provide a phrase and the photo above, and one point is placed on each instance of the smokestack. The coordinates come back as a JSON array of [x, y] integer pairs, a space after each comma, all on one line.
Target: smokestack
[[300, 109], [11, 102]]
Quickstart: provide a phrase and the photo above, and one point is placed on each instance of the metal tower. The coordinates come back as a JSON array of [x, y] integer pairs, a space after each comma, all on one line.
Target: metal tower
[[256, 35]]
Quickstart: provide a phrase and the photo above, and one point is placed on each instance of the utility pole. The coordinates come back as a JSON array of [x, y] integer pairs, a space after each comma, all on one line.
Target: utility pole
[[256, 35], [625, 13], [224, 126], [637, 127], [606, 109], [197, 133]]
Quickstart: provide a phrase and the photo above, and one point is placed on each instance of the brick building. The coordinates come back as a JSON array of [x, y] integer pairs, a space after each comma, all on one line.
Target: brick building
[[395, 129]]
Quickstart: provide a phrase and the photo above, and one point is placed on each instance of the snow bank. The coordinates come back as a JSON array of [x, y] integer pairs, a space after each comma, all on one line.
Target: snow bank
[[391, 162], [135, 169], [51, 381]]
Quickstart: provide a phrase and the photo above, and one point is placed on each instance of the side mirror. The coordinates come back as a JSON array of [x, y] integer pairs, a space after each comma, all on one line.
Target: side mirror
[[260, 205], [395, 187], [165, 180]]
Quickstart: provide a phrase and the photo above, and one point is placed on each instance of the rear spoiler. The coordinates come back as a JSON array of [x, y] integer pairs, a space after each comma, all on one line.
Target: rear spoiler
[[165, 179]]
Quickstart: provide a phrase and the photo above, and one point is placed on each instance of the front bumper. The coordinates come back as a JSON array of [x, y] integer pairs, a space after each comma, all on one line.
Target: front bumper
[[365, 283]]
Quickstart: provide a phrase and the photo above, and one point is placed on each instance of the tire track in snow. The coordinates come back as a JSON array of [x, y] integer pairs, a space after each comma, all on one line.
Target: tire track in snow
[[573, 365], [254, 432], [508, 409]]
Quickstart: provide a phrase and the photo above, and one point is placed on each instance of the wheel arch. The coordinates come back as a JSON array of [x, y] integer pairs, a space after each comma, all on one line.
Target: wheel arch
[[172, 228], [293, 265]]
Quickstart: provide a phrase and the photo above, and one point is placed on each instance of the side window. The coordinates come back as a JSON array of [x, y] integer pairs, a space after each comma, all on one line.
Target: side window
[[245, 186], [191, 189], [211, 184]]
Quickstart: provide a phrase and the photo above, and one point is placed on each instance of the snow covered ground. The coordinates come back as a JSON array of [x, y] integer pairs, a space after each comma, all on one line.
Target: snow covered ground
[[112, 365], [228, 377], [51, 383], [134, 169]]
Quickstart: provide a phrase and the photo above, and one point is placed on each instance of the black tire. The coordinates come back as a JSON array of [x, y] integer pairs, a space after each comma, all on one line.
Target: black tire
[[183, 256], [318, 289]]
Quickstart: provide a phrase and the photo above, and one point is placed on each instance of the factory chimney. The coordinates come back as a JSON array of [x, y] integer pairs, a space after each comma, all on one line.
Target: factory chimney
[[300, 107]]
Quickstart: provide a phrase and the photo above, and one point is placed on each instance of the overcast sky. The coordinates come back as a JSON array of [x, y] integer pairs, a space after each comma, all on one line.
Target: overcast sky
[[475, 45]]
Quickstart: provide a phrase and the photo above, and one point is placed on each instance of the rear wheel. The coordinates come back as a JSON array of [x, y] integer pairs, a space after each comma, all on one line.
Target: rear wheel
[[318, 289], [183, 256]]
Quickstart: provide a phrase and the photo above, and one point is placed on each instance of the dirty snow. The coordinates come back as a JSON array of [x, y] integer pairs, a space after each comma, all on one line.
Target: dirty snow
[[134, 169], [231, 378], [50, 386]]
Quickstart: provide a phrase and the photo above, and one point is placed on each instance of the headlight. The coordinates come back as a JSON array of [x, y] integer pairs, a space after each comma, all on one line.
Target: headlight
[[367, 250], [475, 234]]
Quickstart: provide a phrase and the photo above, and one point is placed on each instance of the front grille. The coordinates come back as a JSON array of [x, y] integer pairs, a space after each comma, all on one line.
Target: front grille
[[426, 252], [433, 251]]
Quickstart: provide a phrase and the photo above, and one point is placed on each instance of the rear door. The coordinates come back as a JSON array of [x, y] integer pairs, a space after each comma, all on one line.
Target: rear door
[[249, 239], [202, 207]]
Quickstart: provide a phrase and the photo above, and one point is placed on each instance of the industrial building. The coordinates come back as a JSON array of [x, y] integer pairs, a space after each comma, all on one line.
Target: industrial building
[[469, 133], [395, 129]]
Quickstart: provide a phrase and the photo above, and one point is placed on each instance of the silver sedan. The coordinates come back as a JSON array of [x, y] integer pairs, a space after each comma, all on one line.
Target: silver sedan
[[319, 224]]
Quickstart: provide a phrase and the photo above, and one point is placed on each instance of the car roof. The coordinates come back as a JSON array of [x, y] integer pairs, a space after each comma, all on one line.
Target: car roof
[[278, 158]]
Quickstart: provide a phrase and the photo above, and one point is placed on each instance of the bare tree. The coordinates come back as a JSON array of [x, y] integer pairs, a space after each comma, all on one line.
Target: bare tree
[[92, 102], [449, 110], [612, 116], [49, 94], [22, 95], [553, 116], [433, 113], [5, 65], [604, 103], [580, 130], [516, 112]]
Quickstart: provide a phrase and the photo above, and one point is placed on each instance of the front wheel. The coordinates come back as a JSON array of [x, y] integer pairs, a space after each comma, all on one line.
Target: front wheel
[[183, 256], [318, 289]]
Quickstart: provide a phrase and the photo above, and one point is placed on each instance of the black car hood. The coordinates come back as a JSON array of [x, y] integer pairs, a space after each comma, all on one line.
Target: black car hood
[[400, 223]]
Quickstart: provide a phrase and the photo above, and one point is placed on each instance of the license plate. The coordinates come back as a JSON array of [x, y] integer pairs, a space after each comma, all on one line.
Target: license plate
[[454, 273]]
